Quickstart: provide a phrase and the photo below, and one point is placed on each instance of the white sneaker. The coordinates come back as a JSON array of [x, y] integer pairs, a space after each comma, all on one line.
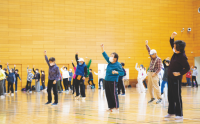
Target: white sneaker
[[77, 97], [169, 115], [83, 98], [2, 96], [115, 110], [179, 117], [15, 91], [12, 94], [30, 92]]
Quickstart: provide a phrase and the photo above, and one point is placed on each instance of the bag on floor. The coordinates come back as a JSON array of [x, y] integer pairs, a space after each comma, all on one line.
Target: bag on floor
[[33, 87], [23, 89], [41, 87]]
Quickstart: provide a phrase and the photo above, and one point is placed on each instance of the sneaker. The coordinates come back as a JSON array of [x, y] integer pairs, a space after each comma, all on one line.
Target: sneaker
[[169, 115], [119, 94], [123, 94], [12, 94], [54, 104], [151, 100], [179, 117], [159, 101], [77, 97], [115, 110], [15, 91], [47, 103], [83, 98], [2, 96], [161, 94], [30, 92]]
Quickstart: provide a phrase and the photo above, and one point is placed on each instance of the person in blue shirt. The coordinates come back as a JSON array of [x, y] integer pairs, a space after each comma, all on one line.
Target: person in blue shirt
[[81, 73], [121, 83], [114, 70]]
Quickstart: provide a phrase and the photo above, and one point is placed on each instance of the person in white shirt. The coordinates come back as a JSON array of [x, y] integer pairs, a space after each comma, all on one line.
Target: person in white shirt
[[65, 75], [101, 77], [141, 76]]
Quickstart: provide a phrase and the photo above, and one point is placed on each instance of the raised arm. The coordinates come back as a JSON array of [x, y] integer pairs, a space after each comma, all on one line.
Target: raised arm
[[34, 70], [76, 57], [46, 58], [96, 73], [172, 39], [104, 53], [136, 67], [8, 68], [148, 48]]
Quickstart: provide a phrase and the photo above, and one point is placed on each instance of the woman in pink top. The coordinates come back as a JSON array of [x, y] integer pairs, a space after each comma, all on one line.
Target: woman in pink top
[[74, 77]]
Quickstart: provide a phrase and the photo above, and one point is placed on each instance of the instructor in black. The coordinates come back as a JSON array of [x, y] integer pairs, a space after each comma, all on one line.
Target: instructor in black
[[177, 68]]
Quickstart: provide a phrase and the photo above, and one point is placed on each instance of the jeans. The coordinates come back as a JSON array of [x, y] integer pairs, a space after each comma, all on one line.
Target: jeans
[[188, 81], [163, 86]]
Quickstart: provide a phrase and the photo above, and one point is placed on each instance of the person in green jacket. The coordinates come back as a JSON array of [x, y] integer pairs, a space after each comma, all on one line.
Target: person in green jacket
[[114, 70]]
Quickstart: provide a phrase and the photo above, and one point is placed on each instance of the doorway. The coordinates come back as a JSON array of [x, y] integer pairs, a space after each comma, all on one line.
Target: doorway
[[197, 63]]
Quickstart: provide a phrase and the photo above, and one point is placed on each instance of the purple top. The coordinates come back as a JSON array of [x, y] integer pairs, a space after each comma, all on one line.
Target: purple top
[[54, 72]]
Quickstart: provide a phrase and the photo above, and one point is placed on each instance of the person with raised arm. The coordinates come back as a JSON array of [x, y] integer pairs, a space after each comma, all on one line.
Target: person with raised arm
[[54, 76], [37, 79], [178, 67], [11, 79], [114, 70], [153, 74], [141, 76]]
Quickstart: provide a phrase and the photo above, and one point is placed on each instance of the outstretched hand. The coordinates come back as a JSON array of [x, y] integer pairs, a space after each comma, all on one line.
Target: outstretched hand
[[7, 63]]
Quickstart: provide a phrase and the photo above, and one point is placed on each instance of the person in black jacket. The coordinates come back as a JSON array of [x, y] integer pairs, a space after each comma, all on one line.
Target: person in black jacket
[[5, 71], [91, 78], [37, 79], [121, 82], [11, 79], [178, 67], [166, 63], [17, 76], [43, 79]]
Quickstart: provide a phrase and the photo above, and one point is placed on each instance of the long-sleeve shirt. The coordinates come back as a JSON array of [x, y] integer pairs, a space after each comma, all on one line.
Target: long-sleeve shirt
[[141, 73], [70, 76], [111, 67], [17, 76], [195, 72], [79, 70], [165, 75], [178, 63], [65, 73], [42, 78], [2, 75], [156, 63], [54, 72], [37, 75], [29, 76], [11, 76]]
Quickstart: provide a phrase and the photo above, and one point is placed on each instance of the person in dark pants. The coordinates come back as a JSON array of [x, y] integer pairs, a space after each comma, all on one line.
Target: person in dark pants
[[5, 71], [16, 77], [54, 75], [37, 79], [194, 76], [43, 79], [11, 79], [91, 78], [166, 63], [144, 81], [178, 67], [2, 77], [188, 78], [121, 82], [101, 76], [114, 70], [70, 78], [81, 73], [29, 80]]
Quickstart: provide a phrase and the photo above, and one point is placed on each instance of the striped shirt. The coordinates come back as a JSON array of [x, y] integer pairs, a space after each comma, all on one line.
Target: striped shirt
[[157, 61]]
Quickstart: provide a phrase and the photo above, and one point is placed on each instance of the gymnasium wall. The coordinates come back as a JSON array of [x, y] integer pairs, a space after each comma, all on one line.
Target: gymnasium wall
[[196, 31], [63, 27]]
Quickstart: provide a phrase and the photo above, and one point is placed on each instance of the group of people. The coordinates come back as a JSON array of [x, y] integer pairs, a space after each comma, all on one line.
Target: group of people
[[174, 69], [11, 77]]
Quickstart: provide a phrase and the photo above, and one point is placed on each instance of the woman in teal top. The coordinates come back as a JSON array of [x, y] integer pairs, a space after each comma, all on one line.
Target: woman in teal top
[[114, 70]]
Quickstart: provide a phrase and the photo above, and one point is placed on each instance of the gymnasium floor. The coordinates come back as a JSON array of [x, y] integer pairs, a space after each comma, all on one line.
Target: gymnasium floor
[[30, 109]]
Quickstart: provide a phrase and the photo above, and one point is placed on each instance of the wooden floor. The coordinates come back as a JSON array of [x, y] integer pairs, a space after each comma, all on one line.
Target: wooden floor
[[30, 109]]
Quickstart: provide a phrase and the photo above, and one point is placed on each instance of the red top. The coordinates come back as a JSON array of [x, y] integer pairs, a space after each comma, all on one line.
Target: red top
[[188, 74]]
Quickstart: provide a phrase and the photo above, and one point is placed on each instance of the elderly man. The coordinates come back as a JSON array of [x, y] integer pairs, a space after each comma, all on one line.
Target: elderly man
[[153, 78]]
